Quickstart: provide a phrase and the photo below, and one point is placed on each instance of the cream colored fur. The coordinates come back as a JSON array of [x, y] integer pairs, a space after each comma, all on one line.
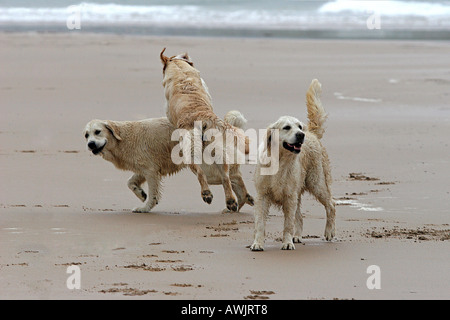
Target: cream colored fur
[[308, 170], [144, 147], [188, 101]]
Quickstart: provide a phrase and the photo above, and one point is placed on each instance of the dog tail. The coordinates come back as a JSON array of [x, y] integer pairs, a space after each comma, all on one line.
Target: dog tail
[[236, 119], [316, 112]]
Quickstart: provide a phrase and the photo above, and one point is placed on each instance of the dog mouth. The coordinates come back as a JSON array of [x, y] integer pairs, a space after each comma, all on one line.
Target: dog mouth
[[294, 148], [96, 151]]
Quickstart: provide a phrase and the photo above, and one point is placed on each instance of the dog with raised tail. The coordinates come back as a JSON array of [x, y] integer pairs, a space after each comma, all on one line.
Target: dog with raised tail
[[303, 166]]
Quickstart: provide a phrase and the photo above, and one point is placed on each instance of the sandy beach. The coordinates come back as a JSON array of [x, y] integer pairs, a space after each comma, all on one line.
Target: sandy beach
[[386, 135]]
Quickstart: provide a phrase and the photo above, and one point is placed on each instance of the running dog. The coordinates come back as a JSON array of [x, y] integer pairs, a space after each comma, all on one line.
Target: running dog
[[144, 147]]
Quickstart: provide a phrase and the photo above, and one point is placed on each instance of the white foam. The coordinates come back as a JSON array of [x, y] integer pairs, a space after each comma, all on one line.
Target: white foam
[[14, 230], [339, 96], [387, 8], [163, 15], [358, 205], [331, 14], [336, 15]]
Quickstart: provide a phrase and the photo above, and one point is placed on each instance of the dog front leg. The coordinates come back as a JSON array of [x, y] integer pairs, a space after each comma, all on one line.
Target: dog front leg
[[262, 207], [289, 218], [134, 183], [154, 183], [207, 196], [298, 223]]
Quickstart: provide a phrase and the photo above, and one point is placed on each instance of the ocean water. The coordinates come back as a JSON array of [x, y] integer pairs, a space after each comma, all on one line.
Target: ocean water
[[259, 18]]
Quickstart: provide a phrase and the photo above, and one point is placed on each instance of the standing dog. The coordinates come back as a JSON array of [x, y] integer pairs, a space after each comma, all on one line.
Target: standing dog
[[188, 101], [145, 147], [303, 166]]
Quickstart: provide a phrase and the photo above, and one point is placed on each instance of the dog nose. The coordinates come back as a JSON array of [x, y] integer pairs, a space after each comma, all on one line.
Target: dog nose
[[91, 145], [300, 137]]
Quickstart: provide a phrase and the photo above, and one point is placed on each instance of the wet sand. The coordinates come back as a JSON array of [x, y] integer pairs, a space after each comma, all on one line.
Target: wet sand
[[387, 138]]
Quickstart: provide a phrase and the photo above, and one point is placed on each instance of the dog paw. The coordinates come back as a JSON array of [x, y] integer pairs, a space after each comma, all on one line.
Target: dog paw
[[232, 205], [141, 210], [297, 239], [288, 246], [207, 196], [256, 247], [139, 193], [250, 200], [329, 234]]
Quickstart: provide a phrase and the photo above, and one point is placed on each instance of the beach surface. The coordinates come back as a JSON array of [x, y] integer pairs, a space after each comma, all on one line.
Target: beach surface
[[386, 135]]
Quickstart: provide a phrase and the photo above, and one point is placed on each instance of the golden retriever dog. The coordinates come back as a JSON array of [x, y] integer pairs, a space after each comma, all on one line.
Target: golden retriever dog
[[144, 147], [188, 102], [303, 166]]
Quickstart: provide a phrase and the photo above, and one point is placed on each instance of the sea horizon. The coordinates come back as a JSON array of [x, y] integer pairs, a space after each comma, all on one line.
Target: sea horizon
[[339, 19]]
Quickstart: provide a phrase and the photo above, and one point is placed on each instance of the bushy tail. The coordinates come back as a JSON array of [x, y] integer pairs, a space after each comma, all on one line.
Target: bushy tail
[[316, 113], [237, 119]]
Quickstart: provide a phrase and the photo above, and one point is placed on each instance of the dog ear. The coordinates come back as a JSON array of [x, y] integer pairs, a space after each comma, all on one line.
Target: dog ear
[[114, 129], [264, 153], [185, 57], [269, 138], [272, 137], [164, 59]]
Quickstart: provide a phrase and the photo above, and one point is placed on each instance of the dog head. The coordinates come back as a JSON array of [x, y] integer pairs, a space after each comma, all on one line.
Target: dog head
[[290, 134], [99, 133], [182, 57]]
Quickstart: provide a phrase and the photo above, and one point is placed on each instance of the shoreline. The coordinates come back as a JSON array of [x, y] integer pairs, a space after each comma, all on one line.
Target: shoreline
[[325, 33]]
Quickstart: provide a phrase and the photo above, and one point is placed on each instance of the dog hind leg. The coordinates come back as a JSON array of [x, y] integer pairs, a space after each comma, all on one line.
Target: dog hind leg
[[322, 193], [207, 196], [330, 228], [243, 197], [231, 203]]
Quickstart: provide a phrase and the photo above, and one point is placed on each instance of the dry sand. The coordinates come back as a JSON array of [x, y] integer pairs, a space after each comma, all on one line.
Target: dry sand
[[387, 137]]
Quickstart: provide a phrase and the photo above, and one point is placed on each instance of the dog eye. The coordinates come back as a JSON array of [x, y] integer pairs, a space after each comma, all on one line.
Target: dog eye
[[287, 128], [97, 132], [86, 135], [300, 126]]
